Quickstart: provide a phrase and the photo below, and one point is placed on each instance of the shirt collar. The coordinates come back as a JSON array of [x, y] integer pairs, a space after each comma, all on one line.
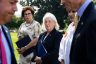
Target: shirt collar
[[0, 27], [83, 7]]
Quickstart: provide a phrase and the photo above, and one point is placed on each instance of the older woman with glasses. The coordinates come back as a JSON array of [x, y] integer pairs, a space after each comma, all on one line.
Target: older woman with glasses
[[29, 27], [47, 48]]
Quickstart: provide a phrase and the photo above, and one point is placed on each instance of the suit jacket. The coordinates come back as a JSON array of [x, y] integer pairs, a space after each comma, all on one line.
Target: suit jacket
[[8, 38], [83, 49], [51, 44]]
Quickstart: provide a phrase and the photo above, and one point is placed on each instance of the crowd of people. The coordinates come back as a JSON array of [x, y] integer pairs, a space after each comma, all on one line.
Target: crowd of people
[[49, 46]]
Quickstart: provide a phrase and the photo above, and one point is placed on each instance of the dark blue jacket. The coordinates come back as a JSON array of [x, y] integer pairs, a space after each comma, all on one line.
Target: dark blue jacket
[[51, 44], [83, 50], [8, 38]]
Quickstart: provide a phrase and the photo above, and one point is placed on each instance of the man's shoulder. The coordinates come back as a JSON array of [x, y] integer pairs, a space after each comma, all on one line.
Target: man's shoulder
[[92, 15]]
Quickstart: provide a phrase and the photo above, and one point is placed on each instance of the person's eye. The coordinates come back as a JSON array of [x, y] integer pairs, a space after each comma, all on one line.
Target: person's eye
[[50, 21], [12, 2]]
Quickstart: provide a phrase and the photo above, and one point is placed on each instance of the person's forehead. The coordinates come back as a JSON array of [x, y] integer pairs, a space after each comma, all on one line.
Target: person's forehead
[[27, 11], [49, 19]]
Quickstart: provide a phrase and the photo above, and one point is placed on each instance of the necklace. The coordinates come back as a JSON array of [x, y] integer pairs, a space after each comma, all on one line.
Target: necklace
[[28, 24]]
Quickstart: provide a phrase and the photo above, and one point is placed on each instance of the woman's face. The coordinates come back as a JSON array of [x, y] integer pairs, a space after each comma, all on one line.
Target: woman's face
[[49, 24], [28, 17]]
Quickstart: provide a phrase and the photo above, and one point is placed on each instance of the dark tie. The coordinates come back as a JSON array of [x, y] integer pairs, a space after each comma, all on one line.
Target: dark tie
[[2, 51]]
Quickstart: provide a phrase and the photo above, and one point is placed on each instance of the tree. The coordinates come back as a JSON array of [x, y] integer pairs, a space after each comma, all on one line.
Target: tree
[[15, 23], [94, 1], [52, 6], [44, 6]]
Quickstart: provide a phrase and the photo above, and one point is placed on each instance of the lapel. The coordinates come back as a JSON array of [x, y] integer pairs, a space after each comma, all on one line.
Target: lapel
[[51, 34], [49, 38], [8, 38], [87, 18], [83, 21]]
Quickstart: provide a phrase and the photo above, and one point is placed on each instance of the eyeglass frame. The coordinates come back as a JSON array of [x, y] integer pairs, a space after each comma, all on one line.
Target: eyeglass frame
[[27, 14]]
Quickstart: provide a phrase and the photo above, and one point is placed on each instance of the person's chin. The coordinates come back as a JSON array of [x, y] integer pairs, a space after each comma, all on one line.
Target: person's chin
[[8, 20]]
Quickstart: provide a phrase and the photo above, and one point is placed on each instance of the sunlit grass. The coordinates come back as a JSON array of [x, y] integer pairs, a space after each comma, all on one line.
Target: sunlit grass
[[14, 39]]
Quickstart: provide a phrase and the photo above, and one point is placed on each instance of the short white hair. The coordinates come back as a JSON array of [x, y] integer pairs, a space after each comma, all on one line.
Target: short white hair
[[50, 15]]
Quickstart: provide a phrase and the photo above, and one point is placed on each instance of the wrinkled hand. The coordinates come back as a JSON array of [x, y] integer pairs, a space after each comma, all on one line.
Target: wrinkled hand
[[21, 50], [38, 60]]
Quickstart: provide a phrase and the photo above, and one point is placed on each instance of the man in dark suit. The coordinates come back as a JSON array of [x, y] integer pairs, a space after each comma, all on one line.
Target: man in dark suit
[[6, 51], [83, 48]]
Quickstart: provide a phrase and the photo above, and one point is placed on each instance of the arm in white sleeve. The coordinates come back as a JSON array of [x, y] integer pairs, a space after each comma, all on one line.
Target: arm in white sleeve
[[61, 50]]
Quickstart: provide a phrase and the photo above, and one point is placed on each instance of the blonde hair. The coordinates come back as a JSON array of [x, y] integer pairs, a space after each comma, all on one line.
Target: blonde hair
[[50, 15]]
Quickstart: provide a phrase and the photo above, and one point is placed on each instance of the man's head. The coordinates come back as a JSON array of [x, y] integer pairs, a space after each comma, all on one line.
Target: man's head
[[72, 5], [8, 8]]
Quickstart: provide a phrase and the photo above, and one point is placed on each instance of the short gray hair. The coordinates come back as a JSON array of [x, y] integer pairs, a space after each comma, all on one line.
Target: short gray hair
[[50, 15]]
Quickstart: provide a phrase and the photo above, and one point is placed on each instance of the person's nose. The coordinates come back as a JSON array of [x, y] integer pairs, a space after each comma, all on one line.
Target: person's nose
[[47, 24], [15, 7]]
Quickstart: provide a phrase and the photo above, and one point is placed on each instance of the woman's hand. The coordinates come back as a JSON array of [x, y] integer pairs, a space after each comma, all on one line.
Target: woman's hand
[[38, 60], [21, 50]]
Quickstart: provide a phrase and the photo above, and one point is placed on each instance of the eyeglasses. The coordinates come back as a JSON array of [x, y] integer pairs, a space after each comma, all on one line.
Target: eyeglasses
[[27, 14]]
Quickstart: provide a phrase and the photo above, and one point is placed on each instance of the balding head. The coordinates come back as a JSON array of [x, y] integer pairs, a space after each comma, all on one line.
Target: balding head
[[72, 5], [8, 10]]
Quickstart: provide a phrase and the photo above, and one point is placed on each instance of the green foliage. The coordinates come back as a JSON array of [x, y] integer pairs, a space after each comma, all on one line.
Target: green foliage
[[44, 6], [15, 23], [19, 22], [94, 1], [52, 6], [14, 39]]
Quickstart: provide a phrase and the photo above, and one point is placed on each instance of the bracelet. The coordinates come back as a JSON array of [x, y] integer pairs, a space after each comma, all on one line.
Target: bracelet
[[25, 47]]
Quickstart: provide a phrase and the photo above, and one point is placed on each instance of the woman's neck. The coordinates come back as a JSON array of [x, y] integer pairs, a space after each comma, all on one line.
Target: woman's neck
[[29, 22]]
